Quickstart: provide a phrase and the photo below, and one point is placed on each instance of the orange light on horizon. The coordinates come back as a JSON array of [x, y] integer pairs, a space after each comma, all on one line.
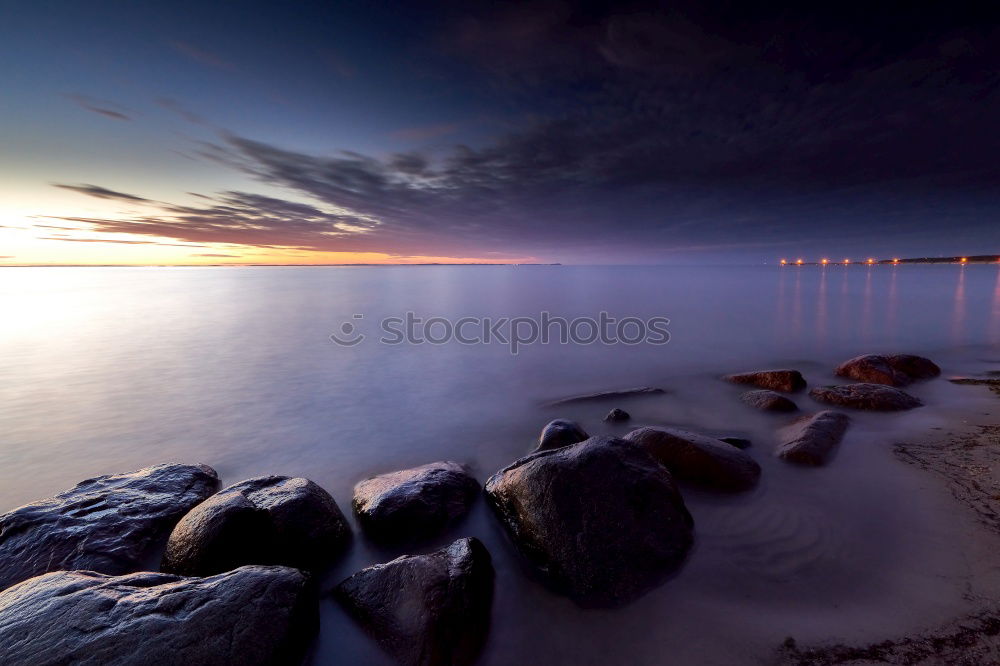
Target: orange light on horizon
[[798, 261], [870, 261], [824, 261], [784, 261], [895, 261], [964, 260], [847, 261]]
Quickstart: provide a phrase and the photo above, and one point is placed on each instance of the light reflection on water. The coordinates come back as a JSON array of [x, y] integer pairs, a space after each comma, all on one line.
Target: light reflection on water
[[107, 370]]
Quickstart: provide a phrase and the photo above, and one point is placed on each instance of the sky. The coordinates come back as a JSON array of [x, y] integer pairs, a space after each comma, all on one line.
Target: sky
[[340, 132]]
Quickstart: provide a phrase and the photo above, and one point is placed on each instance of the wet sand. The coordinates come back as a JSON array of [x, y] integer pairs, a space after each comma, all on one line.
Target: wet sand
[[964, 459]]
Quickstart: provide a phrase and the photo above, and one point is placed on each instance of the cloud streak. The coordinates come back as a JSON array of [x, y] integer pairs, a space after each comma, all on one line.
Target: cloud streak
[[101, 107]]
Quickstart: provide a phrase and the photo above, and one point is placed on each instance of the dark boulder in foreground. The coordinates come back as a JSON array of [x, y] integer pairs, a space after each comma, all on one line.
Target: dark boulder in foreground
[[266, 520], [425, 610], [896, 370], [111, 524], [768, 401], [810, 440], [601, 521], [251, 616], [606, 395], [414, 503], [872, 397], [617, 416], [775, 380], [559, 433], [698, 459]]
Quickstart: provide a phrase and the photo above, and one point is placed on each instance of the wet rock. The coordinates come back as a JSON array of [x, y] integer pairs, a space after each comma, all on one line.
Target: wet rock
[[559, 433], [112, 524], [895, 370], [600, 521], [425, 610], [775, 380], [738, 442], [414, 503], [873, 397], [810, 440], [606, 395], [265, 520], [768, 401], [617, 416], [698, 459], [916, 367], [872, 369], [251, 616]]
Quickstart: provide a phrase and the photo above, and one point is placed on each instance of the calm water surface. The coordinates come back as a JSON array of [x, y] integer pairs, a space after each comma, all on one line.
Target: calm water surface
[[107, 370]]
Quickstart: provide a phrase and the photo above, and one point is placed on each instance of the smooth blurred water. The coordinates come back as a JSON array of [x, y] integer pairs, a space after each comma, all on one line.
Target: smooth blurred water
[[111, 369]]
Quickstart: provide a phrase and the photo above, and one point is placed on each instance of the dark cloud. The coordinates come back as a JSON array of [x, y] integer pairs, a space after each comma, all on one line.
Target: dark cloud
[[636, 129], [99, 106], [101, 192], [242, 218]]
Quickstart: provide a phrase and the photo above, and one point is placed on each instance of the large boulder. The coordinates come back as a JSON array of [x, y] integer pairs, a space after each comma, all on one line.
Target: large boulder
[[425, 610], [872, 397], [414, 503], [809, 440], [775, 380], [112, 524], [601, 521], [768, 401], [559, 433], [698, 459], [895, 370], [252, 616], [266, 520]]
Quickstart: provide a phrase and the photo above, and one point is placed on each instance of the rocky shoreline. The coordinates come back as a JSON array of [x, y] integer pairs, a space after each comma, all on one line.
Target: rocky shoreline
[[231, 576]]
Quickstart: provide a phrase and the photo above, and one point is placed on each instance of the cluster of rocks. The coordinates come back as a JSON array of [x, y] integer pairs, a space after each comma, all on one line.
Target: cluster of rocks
[[237, 568], [237, 575]]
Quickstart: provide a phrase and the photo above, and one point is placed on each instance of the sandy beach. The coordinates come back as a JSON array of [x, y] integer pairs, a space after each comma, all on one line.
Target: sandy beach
[[963, 459]]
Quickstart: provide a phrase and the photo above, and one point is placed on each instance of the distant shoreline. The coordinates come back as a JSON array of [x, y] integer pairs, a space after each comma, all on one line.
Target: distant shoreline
[[970, 259]]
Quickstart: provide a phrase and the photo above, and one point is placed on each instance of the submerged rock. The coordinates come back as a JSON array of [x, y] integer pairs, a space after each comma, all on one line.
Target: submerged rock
[[768, 401], [265, 520], [916, 367], [425, 610], [559, 433], [414, 503], [775, 380], [872, 369], [617, 416], [873, 397], [112, 524], [698, 459], [600, 521], [251, 616], [895, 370], [738, 442], [810, 440], [606, 395]]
